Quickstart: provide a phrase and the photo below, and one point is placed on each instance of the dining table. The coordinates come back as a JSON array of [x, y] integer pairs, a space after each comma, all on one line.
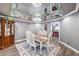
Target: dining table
[[41, 40]]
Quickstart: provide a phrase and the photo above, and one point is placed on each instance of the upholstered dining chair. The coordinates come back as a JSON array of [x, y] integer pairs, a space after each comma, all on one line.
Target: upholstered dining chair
[[32, 41], [47, 44], [27, 38], [39, 33], [42, 33]]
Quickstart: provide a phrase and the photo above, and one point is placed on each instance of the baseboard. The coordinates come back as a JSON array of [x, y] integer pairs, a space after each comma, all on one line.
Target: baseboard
[[20, 40], [73, 49]]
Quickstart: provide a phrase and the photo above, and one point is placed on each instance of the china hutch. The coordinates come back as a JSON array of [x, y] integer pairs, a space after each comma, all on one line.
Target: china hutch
[[7, 29]]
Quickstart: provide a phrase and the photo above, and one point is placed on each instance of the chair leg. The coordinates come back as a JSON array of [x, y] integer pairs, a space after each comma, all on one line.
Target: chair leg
[[29, 47], [48, 49], [34, 49]]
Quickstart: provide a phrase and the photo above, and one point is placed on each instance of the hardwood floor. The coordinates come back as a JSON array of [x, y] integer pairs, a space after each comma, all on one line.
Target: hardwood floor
[[11, 51], [64, 51]]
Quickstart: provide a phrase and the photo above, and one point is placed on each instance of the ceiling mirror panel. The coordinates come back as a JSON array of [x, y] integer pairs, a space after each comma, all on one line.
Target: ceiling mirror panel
[[38, 12]]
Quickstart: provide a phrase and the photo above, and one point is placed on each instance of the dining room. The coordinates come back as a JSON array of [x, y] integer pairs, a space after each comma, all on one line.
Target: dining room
[[39, 39], [37, 29]]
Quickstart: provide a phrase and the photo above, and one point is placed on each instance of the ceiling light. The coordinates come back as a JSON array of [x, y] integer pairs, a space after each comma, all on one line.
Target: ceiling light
[[36, 19], [37, 4]]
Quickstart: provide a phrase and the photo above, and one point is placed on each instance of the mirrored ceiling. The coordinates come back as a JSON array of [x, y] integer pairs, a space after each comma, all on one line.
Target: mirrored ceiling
[[38, 12]]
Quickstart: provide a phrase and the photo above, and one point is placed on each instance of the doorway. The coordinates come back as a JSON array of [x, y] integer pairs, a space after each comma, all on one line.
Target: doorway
[[55, 29]]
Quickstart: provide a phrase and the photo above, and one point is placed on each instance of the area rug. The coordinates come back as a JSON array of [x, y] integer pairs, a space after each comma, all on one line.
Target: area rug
[[25, 51]]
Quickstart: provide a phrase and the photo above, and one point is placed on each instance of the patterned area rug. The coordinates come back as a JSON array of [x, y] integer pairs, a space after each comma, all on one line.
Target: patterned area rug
[[25, 51]]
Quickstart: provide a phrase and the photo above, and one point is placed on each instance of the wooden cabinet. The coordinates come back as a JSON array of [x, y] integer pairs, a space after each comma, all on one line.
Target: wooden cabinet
[[7, 35]]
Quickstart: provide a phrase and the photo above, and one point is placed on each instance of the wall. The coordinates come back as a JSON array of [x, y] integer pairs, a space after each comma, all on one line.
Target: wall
[[68, 7], [69, 30], [5, 8], [21, 27]]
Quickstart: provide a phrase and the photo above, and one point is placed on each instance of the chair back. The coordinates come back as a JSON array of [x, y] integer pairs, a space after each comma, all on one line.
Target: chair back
[[32, 38], [39, 33], [27, 36], [44, 33], [49, 37]]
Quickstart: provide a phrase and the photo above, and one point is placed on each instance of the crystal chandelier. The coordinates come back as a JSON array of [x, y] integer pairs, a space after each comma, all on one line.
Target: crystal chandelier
[[37, 4], [36, 19]]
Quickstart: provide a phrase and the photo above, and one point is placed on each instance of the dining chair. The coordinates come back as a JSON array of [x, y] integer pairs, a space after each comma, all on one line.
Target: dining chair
[[39, 33], [32, 41], [44, 33], [47, 43], [27, 38]]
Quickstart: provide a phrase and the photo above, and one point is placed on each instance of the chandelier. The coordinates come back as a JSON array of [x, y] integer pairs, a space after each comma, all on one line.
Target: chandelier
[[36, 19], [37, 4]]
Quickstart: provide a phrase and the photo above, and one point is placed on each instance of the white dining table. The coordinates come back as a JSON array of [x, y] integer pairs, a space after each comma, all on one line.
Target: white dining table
[[41, 40]]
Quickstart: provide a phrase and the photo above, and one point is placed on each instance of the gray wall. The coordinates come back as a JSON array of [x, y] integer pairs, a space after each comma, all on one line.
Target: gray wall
[[21, 27], [68, 7], [69, 30], [5, 8]]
